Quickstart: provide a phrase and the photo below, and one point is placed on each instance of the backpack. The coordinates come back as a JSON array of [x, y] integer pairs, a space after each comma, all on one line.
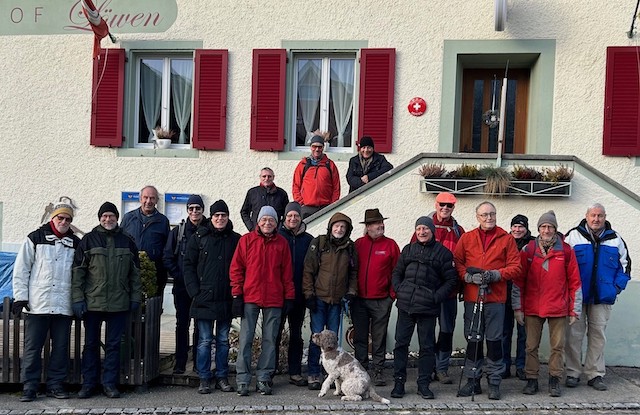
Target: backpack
[[181, 227], [531, 251], [308, 165]]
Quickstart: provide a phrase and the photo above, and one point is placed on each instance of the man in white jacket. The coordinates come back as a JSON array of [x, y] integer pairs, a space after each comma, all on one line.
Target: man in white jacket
[[42, 287]]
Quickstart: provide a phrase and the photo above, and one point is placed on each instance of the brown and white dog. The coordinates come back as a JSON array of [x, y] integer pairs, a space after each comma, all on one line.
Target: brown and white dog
[[348, 374]]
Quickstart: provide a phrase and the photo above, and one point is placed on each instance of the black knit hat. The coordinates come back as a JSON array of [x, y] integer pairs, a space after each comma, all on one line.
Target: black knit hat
[[293, 206], [366, 141], [195, 200], [428, 222], [108, 207], [219, 206], [520, 220]]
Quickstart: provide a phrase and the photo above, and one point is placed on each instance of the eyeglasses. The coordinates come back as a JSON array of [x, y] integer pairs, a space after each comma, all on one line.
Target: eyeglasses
[[487, 215], [449, 205], [64, 218], [195, 208], [265, 176], [317, 147], [220, 215]]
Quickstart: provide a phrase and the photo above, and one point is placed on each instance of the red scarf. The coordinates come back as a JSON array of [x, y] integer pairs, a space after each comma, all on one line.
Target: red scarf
[[55, 231]]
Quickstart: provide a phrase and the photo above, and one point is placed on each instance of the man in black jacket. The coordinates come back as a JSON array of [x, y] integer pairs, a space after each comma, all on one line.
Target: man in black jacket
[[266, 194], [423, 277], [366, 166], [206, 277]]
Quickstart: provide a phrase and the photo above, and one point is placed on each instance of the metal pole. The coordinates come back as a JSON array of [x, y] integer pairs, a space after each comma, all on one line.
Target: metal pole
[[503, 108]]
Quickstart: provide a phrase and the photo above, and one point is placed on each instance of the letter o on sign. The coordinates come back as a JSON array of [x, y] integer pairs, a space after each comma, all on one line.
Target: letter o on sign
[[417, 106]]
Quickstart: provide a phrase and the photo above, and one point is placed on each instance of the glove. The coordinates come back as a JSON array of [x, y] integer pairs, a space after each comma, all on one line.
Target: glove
[[237, 306], [18, 306], [288, 307], [519, 317], [477, 279], [492, 276], [79, 308], [134, 306], [312, 304], [572, 319], [475, 270]]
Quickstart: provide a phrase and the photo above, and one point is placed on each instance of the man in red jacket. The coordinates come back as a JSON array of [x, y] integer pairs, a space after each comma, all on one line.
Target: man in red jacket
[[549, 289], [316, 180], [261, 279], [378, 256], [485, 257]]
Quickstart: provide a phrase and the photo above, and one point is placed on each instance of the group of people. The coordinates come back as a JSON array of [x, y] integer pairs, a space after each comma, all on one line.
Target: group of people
[[279, 270]]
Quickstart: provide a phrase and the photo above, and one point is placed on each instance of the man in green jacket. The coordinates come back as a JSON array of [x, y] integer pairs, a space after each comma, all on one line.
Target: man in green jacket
[[105, 286]]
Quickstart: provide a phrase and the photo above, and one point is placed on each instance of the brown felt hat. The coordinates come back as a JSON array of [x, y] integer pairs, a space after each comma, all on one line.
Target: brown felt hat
[[372, 215]]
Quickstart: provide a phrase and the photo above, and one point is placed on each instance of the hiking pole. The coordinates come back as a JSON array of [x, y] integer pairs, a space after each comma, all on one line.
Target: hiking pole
[[471, 337], [480, 300]]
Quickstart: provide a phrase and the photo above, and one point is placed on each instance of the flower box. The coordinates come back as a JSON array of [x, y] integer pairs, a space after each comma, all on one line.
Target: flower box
[[476, 187]]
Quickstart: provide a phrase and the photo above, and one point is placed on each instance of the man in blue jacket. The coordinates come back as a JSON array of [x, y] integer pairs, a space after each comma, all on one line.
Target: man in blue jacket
[[605, 268], [150, 230]]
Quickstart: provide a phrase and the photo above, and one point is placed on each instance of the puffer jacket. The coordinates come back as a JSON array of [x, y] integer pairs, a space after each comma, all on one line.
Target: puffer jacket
[[376, 168], [106, 271], [320, 185], [261, 270], [260, 196], [424, 277], [549, 285], [299, 244], [206, 271], [501, 254], [42, 271], [331, 266], [378, 258], [175, 251], [605, 265]]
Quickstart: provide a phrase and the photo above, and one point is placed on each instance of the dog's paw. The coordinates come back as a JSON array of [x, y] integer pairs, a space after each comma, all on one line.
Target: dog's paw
[[336, 393], [321, 394]]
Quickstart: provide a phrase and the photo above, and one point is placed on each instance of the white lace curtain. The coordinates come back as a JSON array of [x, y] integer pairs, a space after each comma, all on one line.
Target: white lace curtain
[[151, 92], [181, 91], [342, 94], [309, 78]]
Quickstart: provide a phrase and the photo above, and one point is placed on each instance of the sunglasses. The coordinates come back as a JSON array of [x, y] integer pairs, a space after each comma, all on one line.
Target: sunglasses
[[449, 205], [220, 215], [64, 218], [194, 208]]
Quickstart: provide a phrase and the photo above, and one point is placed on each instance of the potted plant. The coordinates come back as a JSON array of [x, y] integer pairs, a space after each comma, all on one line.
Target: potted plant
[[435, 176], [162, 137], [523, 179], [468, 178], [497, 180], [555, 180]]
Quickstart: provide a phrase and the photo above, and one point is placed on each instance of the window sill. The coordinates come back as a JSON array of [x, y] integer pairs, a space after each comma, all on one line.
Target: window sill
[[149, 152]]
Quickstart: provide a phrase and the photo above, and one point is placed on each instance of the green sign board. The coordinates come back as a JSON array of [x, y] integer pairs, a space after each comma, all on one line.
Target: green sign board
[[54, 17]]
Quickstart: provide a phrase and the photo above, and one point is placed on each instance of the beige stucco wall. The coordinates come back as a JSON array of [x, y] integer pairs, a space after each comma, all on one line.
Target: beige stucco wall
[[46, 93]]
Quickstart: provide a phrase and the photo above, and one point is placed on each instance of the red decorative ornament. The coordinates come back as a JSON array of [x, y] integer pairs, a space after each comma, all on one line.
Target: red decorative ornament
[[417, 106]]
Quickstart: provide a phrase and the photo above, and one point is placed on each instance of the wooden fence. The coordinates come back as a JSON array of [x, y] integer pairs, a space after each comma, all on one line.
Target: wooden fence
[[139, 353]]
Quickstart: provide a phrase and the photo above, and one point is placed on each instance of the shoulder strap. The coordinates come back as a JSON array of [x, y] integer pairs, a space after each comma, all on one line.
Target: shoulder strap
[[181, 227], [307, 166]]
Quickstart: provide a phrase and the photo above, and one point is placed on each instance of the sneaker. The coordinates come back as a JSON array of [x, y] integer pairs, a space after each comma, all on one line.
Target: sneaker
[[471, 388], [28, 395], [424, 391], [243, 389], [398, 390], [378, 378], [521, 375], [205, 387], [224, 385], [494, 392], [572, 382], [57, 392], [554, 386], [315, 382], [531, 388], [597, 384], [444, 378], [298, 380], [86, 392], [263, 387], [111, 391]]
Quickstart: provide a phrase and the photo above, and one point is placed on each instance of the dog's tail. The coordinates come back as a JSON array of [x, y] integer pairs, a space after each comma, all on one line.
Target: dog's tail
[[376, 397]]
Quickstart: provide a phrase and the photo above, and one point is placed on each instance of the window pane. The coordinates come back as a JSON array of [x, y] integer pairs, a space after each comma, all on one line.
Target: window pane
[[150, 98], [180, 99], [309, 75], [341, 101]]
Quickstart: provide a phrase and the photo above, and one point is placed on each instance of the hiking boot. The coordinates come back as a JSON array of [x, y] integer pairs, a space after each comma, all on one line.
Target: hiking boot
[[111, 391], [28, 395], [554, 386], [243, 389], [224, 385], [298, 380], [86, 392], [424, 391], [205, 387], [532, 387], [315, 382], [572, 382], [57, 392], [378, 378], [471, 388], [443, 377], [398, 389], [263, 387], [494, 392], [521, 375], [597, 384]]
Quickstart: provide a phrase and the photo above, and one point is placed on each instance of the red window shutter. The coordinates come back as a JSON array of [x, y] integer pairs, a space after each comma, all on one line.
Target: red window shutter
[[268, 99], [210, 99], [107, 98], [621, 135], [377, 77]]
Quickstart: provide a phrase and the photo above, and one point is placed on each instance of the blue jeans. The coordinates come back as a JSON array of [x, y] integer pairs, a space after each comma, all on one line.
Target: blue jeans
[[36, 328], [205, 338], [267, 361], [91, 354], [447, 322], [327, 315]]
